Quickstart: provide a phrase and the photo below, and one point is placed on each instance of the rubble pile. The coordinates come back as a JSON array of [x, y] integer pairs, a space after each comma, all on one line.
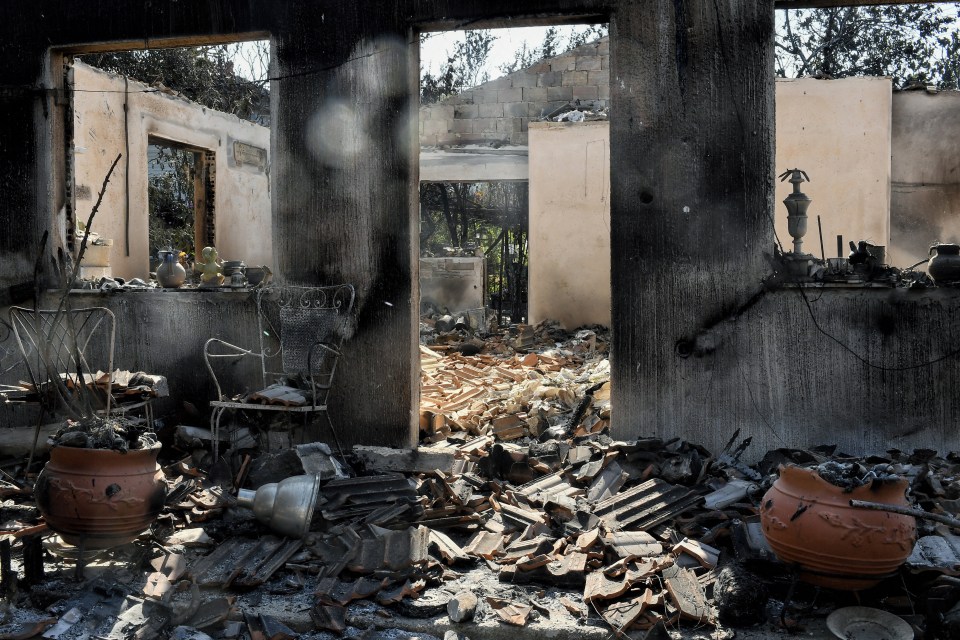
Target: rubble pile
[[518, 509], [522, 383]]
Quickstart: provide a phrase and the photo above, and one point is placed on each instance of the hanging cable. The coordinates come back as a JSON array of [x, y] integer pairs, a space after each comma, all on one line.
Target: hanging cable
[[126, 172], [841, 343]]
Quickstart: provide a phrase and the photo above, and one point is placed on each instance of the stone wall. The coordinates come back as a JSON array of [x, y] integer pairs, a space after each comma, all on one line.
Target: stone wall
[[501, 109]]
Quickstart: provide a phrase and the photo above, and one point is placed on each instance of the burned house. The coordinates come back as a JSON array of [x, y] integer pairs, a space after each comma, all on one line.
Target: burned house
[[702, 345]]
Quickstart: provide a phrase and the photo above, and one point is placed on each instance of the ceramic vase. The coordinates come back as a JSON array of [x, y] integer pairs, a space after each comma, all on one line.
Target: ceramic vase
[[170, 273], [945, 265], [810, 524], [100, 498]]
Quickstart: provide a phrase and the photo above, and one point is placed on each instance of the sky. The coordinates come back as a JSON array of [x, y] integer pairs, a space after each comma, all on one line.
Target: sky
[[434, 52]]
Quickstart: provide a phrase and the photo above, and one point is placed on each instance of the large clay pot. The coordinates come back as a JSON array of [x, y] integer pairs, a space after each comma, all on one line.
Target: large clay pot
[[945, 266], [809, 522], [100, 498]]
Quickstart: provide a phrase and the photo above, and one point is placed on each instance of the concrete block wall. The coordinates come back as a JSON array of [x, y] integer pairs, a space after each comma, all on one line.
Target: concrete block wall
[[500, 110]]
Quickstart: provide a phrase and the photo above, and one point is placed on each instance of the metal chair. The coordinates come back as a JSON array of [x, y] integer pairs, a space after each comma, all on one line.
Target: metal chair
[[58, 345], [301, 331]]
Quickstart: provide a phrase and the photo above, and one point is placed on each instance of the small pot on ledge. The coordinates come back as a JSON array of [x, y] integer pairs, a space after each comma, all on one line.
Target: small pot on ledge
[[170, 273]]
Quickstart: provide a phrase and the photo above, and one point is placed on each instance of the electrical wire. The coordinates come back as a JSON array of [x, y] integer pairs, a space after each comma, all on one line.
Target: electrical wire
[[756, 407], [288, 76], [126, 171], [841, 343]]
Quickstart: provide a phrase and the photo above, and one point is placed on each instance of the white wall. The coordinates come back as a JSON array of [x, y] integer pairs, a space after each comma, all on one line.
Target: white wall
[[925, 173], [569, 274], [242, 201], [838, 131]]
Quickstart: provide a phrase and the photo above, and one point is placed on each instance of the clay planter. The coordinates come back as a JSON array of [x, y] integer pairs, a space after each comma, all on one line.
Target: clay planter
[[809, 523], [100, 498]]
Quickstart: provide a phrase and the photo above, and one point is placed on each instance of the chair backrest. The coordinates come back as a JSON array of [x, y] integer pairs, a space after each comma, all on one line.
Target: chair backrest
[[60, 343], [311, 324], [10, 357]]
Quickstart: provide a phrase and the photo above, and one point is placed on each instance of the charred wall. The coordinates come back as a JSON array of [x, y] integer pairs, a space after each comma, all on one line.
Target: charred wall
[[865, 369], [925, 172], [691, 148]]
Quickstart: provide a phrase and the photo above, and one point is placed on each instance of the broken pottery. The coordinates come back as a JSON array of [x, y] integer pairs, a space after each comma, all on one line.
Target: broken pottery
[[809, 523], [100, 498], [285, 506]]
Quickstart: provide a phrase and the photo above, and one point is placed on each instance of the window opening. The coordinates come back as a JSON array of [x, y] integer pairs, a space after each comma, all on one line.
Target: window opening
[[179, 199], [193, 126]]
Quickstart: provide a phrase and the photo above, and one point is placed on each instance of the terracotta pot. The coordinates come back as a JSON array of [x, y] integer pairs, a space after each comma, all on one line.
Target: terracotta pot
[[100, 498], [809, 522]]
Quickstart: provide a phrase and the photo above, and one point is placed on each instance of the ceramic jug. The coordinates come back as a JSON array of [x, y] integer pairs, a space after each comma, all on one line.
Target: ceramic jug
[[944, 267], [170, 273]]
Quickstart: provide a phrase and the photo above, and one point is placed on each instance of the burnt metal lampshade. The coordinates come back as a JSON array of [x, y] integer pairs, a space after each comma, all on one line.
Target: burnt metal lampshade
[[285, 506]]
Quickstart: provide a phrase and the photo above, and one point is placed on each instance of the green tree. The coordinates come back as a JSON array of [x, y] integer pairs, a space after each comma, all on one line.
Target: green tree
[[589, 33], [910, 43], [170, 199], [464, 68]]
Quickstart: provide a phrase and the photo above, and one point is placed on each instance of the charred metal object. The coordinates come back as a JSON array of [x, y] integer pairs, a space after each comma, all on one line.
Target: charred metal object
[[285, 506]]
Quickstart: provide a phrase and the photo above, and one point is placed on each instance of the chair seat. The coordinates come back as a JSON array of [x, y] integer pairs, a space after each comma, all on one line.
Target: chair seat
[[255, 406]]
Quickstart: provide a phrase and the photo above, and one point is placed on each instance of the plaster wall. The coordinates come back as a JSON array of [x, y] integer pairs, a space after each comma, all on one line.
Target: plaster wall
[[569, 215], [925, 180], [838, 131], [242, 193], [473, 165]]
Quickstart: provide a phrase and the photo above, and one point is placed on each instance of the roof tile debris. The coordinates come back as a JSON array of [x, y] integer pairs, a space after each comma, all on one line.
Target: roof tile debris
[[547, 521]]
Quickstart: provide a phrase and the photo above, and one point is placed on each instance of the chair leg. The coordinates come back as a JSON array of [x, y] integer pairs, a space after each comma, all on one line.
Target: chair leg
[[33, 449], [215, 430], [336, 439]]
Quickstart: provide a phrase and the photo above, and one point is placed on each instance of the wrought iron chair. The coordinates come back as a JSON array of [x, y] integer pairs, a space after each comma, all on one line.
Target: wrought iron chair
[[59, 344], [301, 332]]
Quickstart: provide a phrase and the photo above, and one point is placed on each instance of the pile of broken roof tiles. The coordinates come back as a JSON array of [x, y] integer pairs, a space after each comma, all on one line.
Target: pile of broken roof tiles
[[518, 508]]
